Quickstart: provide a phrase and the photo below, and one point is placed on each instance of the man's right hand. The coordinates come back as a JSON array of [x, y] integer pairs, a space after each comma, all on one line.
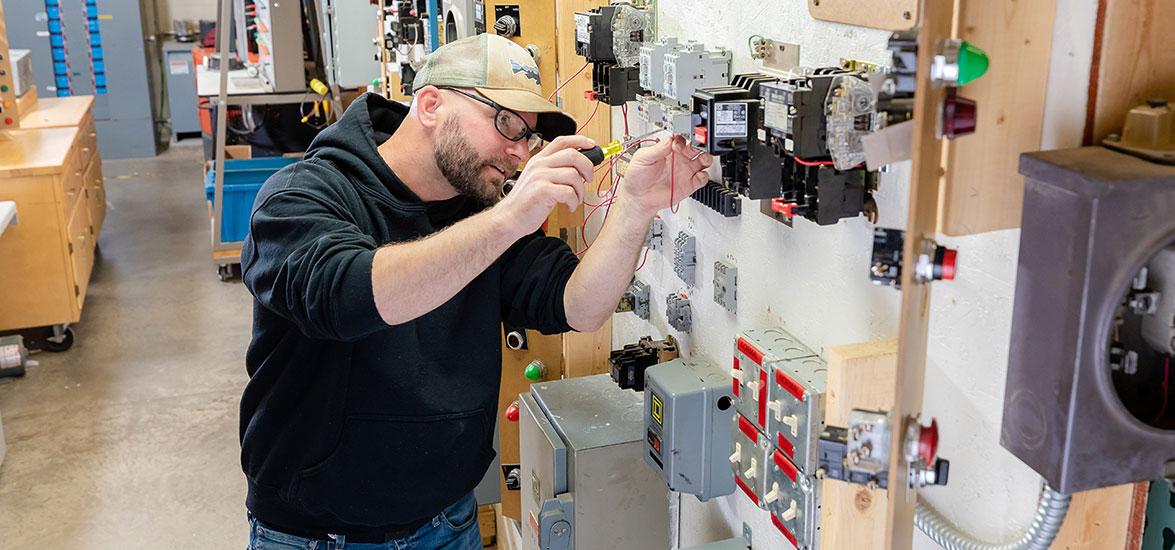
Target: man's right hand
[[555, 175]]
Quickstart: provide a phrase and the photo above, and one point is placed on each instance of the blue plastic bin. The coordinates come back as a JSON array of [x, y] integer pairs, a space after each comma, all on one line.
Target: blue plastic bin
[[242, 180]]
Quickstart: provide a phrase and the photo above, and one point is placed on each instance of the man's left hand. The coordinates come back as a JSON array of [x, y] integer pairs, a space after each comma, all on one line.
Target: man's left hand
[[662, 175]]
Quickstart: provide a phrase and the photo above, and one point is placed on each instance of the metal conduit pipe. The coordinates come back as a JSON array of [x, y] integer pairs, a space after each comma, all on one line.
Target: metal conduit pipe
[[1050, 513]]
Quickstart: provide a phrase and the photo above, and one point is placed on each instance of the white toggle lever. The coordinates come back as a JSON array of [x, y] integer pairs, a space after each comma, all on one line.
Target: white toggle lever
[[792, 421], [738, 451], [777, 408], [753, 385], [773, 494], [750, 473], [737, 374], [790, 513]]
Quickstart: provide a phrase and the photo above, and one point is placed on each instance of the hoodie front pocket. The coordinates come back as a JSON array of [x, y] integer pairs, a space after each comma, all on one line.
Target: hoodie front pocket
[[395, 469]]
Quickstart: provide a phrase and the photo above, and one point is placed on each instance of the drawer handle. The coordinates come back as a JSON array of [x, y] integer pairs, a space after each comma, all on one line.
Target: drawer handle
[[85, 149], [78, 173], [93, 134], [71, 193]]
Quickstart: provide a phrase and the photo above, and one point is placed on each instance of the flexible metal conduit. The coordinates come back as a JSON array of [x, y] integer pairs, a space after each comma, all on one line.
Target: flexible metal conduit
[[1050, 513]]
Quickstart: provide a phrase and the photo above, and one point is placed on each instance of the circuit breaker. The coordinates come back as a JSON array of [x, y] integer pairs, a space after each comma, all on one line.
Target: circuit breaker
[[685, 257], [635, 299], [610, 38], [726, 286], [679, 312], [689, 410]]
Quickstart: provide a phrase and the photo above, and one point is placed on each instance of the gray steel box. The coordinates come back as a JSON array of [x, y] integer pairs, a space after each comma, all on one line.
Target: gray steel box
[[348, 29], [688, 409], [1092, 218], [581, 443]]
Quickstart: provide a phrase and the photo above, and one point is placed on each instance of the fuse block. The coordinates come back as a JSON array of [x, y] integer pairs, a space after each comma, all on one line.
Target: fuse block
[[628, 364]]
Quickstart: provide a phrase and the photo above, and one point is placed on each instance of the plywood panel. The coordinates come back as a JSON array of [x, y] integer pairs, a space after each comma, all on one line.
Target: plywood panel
[[55, 112], [925, 182], [37, 290], [1098, 520], [1133, 61], [983, 190], [881, 14], [860, 376]]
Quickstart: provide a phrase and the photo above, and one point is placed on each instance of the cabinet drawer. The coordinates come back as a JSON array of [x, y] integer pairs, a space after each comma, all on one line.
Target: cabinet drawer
[[38, 281], [87, 140], [29, 190], [73, 189], [81, 251], [96, 199]]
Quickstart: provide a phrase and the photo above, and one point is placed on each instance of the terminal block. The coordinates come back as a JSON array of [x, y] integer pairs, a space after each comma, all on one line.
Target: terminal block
[[679, 312], [719, 198], [685, 257], [636, 300], [726, 286], [688, 413], [655, 239], [793, 499], [628, 364]]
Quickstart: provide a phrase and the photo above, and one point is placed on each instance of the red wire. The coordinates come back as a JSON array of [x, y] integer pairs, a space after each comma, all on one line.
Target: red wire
[[812, 162], [672, 177], [552, 96], [1166, 381], [642, 264], [589, 118], [624, 110]]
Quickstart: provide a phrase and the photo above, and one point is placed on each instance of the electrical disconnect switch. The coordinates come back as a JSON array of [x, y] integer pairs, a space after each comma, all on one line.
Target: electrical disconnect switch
[[685, 257], [679, 312], [749, 459], [688, 423], [860, 453], [793, 500], [726, 286]]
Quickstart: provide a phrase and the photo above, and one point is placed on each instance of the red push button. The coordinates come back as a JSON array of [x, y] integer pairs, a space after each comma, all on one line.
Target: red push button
[[928, 443], [700, 135], [949, 257], [512, 412]]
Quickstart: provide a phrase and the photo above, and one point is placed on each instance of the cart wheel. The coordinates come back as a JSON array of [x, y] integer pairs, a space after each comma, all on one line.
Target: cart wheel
[[65, 343], [225, 272]]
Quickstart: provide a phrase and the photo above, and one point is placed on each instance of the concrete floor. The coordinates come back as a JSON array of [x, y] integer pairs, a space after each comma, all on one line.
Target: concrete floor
[[129, 440]]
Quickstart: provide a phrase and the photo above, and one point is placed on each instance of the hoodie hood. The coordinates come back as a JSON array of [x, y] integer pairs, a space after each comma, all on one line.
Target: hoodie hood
[[351, 144]]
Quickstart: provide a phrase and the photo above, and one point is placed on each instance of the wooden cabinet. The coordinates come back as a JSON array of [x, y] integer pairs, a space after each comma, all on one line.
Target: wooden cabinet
[[76, 112], [46, 258]]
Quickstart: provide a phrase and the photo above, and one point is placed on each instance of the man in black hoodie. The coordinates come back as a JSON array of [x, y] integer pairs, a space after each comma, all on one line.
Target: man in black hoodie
[[382, 267]]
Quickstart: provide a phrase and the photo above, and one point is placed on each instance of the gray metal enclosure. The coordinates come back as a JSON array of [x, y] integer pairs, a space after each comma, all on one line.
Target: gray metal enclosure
[[1092, 218], [107, 42]]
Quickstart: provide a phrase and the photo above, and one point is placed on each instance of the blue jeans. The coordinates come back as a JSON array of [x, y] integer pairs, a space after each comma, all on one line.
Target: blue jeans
[[455, 528]]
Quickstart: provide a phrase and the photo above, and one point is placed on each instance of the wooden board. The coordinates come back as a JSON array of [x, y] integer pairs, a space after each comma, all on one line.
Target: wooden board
[[57, 112], [9, 110], [925, 181], [509, 537], [487, 524], [892, 15], [1133, 61], [584, 354], [984, 190], [1098, 520], [860, 376], [28, 101], [537, 23], [548, 349]]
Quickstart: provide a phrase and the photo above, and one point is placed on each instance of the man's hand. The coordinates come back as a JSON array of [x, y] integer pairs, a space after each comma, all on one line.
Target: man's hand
[[663, 169], [555, 175]]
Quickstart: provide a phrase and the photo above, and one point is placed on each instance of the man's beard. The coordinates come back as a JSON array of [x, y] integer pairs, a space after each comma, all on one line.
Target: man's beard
[[460, 163]]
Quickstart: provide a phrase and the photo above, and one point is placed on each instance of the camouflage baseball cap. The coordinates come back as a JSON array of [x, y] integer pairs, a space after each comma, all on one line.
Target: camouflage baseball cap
[[500, 70]]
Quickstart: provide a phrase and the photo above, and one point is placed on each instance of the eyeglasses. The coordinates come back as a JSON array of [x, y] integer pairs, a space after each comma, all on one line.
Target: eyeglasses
[[509, 123]]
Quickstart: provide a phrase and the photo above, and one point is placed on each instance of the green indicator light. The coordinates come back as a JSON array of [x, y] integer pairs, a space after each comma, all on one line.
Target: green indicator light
[[973, 63], [3, 88], [534, 370]]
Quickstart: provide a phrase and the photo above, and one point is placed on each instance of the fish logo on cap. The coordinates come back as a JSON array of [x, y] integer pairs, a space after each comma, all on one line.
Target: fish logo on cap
[[527, 71]]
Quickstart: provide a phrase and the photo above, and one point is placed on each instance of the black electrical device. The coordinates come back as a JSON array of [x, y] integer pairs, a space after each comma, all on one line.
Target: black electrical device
[[895, 99], [628, 364], [885, 268], [614, 82]]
